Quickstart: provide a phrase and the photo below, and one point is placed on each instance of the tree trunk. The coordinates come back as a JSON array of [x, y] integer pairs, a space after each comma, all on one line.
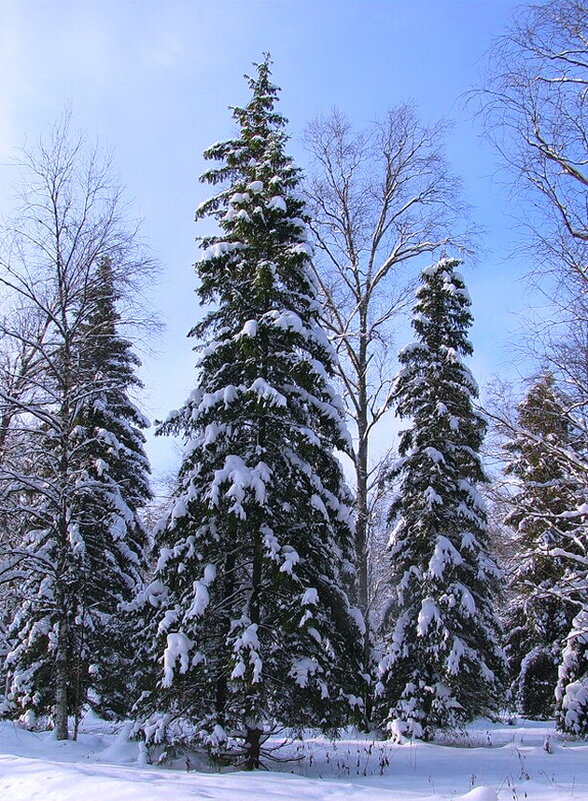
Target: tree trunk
[[253, 748], [221, 688], [362, 520], [61, 671]]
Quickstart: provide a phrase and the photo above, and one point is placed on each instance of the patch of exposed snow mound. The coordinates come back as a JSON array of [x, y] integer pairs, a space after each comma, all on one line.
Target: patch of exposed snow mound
[[480, 794]]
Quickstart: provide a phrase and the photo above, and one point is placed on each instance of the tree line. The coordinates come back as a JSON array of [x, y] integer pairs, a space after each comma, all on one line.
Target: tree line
[[268, 596]]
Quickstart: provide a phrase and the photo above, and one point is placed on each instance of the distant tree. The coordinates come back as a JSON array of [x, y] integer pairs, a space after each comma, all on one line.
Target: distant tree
[[539, 618], [379, 199], [442, 664], [247, 611], [83, 475], [551, 513]]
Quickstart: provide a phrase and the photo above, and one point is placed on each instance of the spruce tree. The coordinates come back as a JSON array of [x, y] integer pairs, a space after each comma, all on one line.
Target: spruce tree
[[116, 489], [442, 665], [248, 610], [540, 615], [83, 554]]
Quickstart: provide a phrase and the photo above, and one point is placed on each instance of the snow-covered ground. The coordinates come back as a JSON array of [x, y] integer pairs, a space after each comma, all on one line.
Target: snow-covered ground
[[493, 763]]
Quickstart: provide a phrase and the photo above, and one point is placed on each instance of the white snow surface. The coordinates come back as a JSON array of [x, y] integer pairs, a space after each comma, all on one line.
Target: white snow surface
[[491, 762]]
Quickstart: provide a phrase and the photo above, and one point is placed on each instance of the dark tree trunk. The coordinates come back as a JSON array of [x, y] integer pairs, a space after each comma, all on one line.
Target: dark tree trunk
[[61, 681], [253, 748]]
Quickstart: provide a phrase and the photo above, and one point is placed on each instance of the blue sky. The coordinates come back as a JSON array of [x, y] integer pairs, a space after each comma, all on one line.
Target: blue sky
[[153, 80]]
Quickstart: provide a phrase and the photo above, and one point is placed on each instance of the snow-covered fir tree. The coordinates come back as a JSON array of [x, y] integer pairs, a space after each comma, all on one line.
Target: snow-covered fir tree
[[83, 551], [248, 608], [115, 490], [442, 663], [541, 606]]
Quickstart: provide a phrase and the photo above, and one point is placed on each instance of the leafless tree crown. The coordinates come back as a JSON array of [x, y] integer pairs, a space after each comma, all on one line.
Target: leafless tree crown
[[379, 200]]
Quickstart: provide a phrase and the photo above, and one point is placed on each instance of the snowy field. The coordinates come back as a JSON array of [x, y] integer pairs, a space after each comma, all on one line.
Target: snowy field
[[493, 763]]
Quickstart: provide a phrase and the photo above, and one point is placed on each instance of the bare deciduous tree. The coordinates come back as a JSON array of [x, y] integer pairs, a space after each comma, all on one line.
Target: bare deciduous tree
[[379, 199], [534, 104]]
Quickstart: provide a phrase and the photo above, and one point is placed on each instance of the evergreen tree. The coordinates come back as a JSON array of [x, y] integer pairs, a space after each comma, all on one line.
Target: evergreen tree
[[114, 490], [442, 664], [248, 609], [83, 552], [539, 618]]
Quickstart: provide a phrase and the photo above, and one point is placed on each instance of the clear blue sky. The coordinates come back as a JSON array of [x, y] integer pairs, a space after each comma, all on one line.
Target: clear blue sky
[[153, 79]]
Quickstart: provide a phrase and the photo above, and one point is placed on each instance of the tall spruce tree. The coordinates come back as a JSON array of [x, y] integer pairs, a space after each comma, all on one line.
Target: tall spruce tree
[[109, 430], [83, 550], [442, 664], [248, 609], [541, 608]]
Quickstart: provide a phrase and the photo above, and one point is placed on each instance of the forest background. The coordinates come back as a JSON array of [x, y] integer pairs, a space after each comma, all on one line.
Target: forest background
[[386, 195]]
